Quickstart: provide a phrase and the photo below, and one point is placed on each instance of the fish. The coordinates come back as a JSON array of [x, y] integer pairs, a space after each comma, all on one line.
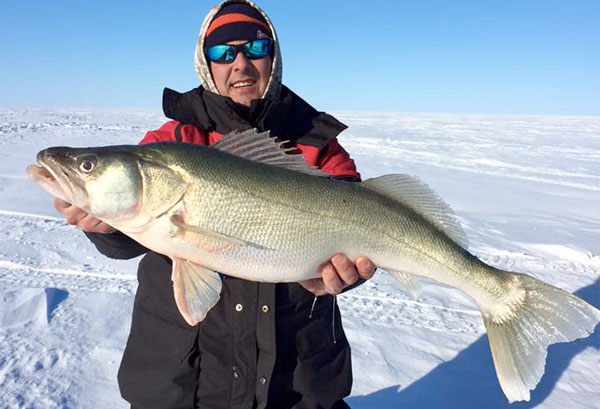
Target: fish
[[248, 208]]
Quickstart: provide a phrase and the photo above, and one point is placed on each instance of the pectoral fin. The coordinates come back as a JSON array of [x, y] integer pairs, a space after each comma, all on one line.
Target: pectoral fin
[[197, 289], [208, 240]]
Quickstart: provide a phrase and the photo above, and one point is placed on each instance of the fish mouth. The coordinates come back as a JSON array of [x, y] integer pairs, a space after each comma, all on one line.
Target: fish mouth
[[44, 179], [58, 179]]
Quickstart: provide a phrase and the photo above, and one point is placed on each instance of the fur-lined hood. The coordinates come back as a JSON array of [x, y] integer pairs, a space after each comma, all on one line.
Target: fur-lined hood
[[201, 64]]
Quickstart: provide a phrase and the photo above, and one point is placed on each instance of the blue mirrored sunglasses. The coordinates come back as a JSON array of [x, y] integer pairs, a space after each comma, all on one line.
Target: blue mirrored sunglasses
[[226, 53]]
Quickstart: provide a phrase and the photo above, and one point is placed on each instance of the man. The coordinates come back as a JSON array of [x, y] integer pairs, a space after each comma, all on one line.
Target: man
[[263, 345]]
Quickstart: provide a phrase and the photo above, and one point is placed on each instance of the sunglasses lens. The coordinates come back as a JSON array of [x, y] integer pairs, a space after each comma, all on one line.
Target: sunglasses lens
[[221, 53], [225, 53], [257, 48]]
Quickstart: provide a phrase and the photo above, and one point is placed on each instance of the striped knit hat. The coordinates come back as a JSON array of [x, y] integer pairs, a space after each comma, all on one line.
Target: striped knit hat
[[236, 21]]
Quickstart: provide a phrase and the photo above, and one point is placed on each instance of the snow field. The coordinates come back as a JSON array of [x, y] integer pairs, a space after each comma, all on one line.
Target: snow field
[[526, 189]]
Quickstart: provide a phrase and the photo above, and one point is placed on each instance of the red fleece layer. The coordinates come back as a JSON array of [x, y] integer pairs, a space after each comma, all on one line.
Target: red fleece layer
[[333, 159]]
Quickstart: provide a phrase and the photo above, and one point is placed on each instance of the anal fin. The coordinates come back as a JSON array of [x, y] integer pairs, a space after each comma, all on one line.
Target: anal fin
[[196, 288], [408, 281]]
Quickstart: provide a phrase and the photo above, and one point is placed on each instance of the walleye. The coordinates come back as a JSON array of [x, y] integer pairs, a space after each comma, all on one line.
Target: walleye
[[247, 209]]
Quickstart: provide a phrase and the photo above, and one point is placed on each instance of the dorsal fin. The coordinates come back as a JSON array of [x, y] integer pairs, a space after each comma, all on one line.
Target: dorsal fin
[[415, 194], [260, 147]]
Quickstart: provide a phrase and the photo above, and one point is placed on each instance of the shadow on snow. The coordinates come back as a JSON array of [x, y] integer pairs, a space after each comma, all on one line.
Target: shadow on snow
[[469, 380]]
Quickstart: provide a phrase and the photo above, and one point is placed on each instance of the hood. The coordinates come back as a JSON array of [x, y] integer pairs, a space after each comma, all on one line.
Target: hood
[[202, 67]]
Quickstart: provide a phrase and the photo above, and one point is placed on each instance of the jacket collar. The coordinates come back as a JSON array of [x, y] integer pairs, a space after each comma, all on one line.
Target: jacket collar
[[288, 117]]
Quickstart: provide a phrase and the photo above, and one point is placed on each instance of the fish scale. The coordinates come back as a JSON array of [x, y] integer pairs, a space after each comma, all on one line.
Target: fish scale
[[263, 215]]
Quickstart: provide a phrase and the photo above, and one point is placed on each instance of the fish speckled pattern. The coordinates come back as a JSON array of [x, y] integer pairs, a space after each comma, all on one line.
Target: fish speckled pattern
[[238, 208]]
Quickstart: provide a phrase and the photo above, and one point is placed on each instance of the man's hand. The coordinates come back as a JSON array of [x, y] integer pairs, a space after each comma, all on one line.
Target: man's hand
[[339, 273], [80, 218]]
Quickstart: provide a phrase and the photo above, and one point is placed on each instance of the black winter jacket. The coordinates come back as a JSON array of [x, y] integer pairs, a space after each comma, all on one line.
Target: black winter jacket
[[259, 347]]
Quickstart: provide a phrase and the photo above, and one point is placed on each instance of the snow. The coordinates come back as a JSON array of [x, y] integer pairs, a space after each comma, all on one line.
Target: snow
[[527, 192]]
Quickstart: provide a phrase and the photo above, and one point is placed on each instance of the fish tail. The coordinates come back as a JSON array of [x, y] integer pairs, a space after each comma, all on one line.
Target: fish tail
[[534, 316]]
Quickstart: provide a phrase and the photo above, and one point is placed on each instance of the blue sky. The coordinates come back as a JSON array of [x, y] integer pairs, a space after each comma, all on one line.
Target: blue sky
[[496, 56]]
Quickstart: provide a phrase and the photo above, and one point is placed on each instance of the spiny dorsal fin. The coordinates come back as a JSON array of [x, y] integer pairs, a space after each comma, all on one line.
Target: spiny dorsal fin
[[260, 147], [415, 194]]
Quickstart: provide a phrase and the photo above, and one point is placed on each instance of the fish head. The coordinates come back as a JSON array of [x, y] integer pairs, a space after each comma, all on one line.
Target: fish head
[[104, 182], [125, 186]]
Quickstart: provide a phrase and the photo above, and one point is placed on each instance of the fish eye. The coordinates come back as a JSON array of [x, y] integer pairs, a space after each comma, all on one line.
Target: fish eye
[[87, 163]]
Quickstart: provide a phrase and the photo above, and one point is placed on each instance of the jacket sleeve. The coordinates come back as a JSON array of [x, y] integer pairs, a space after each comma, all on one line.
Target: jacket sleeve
[[335, 161], [163, 134], [116, 245], [175, 131]]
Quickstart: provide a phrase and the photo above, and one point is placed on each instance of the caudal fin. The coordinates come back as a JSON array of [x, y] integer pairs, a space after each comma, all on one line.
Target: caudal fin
[[520, 334]]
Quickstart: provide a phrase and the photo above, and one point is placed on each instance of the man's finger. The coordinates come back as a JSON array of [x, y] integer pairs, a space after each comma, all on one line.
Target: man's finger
[[106, 228], [88, 222], [345, 269], [365, 267], [60, 204], [72, 217], [331, 279], [315, 286], [92, 225]]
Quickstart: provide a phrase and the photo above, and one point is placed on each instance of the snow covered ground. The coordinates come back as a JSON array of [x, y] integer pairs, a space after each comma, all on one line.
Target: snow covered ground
[[526, 188]]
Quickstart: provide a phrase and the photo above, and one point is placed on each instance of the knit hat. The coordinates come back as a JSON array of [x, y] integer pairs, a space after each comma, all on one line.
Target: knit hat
[[237, 21]]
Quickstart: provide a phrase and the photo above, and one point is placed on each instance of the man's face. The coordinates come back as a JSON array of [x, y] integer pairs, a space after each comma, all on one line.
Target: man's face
[[243, 79]]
